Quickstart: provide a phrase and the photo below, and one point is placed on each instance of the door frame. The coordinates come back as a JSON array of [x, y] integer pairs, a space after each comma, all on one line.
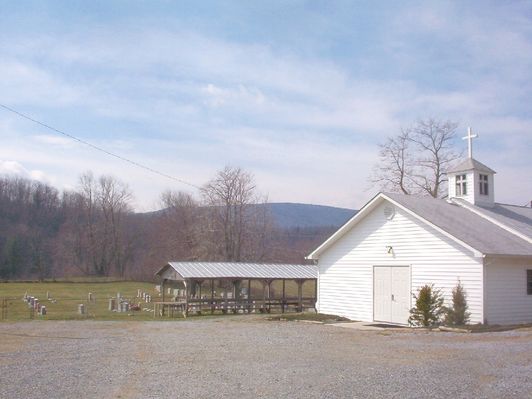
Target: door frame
[[373, 290]]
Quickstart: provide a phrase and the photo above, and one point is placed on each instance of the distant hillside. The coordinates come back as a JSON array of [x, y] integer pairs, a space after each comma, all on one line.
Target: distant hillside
[[288, 215]]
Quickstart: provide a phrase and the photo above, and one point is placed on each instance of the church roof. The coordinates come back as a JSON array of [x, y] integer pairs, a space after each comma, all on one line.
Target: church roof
[[470, 227], [516, 217], [470, 164], [503, 230]]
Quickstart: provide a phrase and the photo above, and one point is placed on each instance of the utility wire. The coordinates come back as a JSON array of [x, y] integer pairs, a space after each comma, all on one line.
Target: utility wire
[[97, 148]]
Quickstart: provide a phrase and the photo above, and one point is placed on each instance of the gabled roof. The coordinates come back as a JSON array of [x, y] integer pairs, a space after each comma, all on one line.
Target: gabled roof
[[514, 218], [465, 225], [470, 164], [206, 270], [468, 228]]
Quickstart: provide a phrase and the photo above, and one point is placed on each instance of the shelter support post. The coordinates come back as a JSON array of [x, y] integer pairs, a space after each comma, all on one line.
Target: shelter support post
[[225, 297], [163, 289], [200, 303], [212, 296], [187, 284], [236, 294], [249, 295], [300, 295], [267, 286], [283, 303]]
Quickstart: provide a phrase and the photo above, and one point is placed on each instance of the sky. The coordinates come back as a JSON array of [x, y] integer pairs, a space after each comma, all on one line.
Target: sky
[[298, 93]]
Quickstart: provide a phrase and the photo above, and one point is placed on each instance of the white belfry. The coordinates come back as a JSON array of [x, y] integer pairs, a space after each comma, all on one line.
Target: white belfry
[[469, 139]]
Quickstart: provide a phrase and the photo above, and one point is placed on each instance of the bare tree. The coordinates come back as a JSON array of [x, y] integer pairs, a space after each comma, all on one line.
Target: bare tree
[[114, 200], [231, 199], [415, 161], [101, 240], [395, 164], [180, 225]]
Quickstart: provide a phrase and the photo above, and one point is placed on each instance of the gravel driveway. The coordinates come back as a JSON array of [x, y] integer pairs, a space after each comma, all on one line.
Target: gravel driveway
[[248, 357]]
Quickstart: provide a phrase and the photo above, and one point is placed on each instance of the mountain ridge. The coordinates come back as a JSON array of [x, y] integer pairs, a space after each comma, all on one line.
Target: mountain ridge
[[289, 215], [295, 214]]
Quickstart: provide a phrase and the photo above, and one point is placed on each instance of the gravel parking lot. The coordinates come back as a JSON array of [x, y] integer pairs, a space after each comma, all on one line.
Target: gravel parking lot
[[249, 357]]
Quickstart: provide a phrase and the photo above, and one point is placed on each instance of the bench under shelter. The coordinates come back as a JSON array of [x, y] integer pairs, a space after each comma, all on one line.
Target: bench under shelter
[[235, 287]]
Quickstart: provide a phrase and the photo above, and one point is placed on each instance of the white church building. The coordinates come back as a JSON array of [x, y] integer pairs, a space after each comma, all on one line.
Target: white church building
[[396, 243]]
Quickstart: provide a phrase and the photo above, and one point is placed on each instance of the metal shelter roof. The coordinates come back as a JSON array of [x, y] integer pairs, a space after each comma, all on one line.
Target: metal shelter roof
[[240, 270]]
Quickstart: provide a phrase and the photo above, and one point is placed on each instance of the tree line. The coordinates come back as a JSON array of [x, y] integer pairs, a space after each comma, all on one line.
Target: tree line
[[93, 230]]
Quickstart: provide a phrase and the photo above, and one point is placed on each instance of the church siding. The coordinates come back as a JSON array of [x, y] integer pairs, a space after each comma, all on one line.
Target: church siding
[[506, 296], [346, 268]]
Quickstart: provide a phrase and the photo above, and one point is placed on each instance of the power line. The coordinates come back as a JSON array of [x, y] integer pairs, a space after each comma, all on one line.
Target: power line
[[97, 148]]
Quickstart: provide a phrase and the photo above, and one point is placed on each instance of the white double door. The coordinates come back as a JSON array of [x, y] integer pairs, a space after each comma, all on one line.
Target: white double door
[[391, 294]]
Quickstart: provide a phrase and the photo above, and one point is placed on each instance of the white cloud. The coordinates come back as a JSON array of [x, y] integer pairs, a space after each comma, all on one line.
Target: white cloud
[[241, 95], [59, 141], [12, 167], [26, 83], [15, 168]]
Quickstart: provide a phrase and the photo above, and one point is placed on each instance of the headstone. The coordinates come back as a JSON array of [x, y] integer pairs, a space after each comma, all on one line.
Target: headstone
[[81, 308], [118, 296], [144, 295], [112, 304], [36, 304], [139, 292], [48, 295], [148, 298], [43, 311], [90, 297]]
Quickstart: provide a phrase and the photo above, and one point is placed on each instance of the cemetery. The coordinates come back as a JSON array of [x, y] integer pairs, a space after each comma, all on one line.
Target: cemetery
[[98, 300], [184, 289]]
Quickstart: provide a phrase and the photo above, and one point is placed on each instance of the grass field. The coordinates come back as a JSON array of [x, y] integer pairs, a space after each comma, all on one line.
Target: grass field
[[68, 295]]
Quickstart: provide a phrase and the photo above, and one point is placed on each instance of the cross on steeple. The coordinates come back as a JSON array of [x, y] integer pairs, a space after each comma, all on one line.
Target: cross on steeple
[[469, 139]]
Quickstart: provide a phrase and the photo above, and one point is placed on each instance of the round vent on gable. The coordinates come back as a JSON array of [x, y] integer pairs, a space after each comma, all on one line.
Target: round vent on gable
[[389, 212]]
